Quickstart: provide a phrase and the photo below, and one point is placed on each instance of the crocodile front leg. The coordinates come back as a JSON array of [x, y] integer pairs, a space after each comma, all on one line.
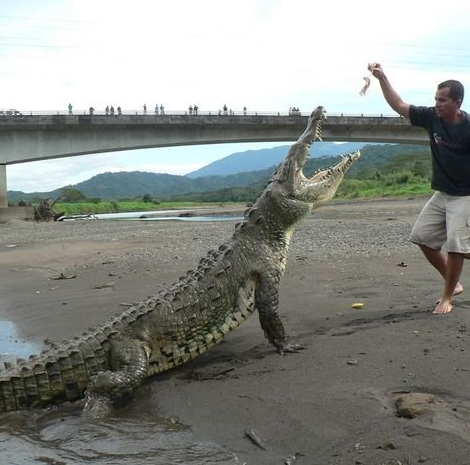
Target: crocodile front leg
[[115, 387], [267, 302]]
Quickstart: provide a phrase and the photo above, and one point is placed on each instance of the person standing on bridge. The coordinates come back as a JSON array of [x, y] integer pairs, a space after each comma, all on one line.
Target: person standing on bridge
[[445, 219]]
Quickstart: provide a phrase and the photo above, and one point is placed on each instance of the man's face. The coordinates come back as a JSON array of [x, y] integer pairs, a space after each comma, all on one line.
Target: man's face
[[446, 107]]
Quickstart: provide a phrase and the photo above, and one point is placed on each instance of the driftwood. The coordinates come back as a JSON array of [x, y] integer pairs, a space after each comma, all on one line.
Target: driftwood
[[45, 211]]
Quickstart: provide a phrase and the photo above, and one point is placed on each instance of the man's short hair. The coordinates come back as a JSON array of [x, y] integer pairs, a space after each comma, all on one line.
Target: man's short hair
[[456, 90]]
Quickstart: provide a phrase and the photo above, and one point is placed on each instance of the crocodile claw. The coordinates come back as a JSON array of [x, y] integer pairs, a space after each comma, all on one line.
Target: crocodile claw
[[96, 407], [285, 347]]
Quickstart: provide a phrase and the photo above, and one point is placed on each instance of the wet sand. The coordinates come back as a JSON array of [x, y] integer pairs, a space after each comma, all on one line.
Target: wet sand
[[332, 402]]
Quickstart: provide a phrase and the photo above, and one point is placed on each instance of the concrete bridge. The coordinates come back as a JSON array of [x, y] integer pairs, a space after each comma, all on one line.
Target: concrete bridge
[[25, 138]]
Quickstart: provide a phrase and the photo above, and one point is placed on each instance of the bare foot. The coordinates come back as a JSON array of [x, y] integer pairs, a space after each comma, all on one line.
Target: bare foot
[[443, 307], [458, 290]]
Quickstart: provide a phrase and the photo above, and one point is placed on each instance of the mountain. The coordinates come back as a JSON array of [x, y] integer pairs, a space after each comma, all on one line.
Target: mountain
[[253, 160]]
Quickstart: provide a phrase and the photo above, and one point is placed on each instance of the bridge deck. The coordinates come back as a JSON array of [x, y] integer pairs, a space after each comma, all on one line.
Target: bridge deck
[[38, 137]]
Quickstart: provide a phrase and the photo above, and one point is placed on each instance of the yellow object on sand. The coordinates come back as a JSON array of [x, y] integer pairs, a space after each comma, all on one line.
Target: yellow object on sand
[[357, 305]]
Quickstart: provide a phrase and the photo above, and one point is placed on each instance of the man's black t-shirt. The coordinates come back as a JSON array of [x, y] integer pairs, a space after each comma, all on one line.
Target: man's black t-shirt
[[450, 148]]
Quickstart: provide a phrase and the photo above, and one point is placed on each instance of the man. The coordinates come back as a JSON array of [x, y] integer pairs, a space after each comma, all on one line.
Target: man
[[445, 219]]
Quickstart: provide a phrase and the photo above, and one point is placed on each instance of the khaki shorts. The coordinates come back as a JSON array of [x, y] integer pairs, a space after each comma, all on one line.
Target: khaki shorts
[[444, 222]]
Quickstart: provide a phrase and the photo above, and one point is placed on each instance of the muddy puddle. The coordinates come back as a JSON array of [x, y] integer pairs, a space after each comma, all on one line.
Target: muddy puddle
[[66, 438]]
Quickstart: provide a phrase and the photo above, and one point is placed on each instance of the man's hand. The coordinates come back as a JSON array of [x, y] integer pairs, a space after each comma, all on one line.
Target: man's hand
[[376, 70]]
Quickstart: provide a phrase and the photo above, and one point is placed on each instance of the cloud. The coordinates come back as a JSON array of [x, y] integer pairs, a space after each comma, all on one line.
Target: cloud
[[266, 55]]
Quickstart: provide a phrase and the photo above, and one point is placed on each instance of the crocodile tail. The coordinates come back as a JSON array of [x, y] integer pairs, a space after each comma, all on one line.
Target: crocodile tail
[[18, 387], [7, 398], [56, 375], [34, 383]]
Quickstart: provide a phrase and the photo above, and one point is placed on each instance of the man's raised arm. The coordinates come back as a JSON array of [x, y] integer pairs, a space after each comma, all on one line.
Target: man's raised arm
[[391, 96]]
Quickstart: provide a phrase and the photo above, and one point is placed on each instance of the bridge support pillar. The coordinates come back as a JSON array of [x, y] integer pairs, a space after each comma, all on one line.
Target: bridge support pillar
[[3, 186], [11, 213]]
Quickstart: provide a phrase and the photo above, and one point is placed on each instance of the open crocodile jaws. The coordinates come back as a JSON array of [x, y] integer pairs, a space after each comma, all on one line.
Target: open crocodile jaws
[[107, 364]]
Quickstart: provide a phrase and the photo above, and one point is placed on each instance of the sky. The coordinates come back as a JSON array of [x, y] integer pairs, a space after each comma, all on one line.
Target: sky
[[267, 55]]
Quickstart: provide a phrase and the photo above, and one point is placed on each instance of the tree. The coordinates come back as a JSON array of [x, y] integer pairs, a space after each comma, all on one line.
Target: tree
[[69, 194]]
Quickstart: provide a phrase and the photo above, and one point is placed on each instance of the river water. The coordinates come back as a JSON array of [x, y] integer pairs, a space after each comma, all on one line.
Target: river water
[[159, 215]]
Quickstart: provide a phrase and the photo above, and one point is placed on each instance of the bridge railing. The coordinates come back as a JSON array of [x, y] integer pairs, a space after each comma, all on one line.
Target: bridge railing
[[25, 113]]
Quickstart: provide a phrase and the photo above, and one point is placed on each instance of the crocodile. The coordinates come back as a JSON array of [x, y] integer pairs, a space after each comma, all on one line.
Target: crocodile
[[105, 365]]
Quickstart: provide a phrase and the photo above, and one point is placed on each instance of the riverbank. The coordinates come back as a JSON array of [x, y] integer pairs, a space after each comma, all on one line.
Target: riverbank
[[334, 401]]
